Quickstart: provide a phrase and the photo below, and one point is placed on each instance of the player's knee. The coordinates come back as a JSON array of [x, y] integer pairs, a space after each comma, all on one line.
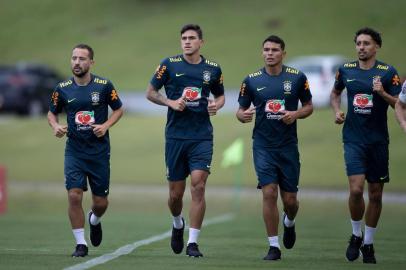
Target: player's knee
[[356, 192], [198, 190], [270, 196], [375, 197], [175, 195], [101, 204], [75, 198], [291, 203]]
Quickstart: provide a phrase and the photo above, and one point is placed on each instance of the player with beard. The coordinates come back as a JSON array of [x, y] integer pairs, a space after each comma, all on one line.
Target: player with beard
[[188, 78], [85, 98], [371, 87]]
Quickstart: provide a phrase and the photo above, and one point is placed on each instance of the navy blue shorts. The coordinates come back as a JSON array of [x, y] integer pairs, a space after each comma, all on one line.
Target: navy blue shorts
[[279, 166], [78, 170], [185, 156], [372, 160]]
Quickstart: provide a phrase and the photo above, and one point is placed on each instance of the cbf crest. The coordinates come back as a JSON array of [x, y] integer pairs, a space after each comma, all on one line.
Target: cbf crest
[[287, 87], [95, 98], [206, 76]]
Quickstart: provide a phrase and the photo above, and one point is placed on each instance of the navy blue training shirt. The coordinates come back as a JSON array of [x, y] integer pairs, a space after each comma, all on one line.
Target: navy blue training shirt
[[366, 120], [271, 94], [195, 82], [85, 106]]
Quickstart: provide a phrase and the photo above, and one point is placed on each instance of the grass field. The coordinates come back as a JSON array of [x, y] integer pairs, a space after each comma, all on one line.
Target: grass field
[[35, 233], [131, 37]]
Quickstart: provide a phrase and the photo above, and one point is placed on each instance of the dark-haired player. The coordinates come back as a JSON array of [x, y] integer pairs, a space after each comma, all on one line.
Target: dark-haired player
[[188, 78], [85, 98], [274, 91], [371, 87]]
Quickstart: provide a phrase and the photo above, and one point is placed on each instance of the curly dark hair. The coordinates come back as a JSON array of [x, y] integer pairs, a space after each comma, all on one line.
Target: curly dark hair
[[375, 35]]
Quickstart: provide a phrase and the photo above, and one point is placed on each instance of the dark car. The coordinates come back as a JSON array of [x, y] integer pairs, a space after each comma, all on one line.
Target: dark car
[[26, 89]]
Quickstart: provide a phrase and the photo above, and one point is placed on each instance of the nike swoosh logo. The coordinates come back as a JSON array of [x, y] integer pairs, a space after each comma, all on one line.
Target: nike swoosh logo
[[383, 178], [179, 74], [350, 80], [70, 100], [261, 88]]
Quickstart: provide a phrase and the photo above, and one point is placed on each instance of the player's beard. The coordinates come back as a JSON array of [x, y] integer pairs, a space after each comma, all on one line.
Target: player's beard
[[364, 57], [81, 73]]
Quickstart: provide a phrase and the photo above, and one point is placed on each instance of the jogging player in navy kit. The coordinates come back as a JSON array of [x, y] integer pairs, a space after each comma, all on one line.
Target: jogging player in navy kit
[[188, 79], [275, 91], [85, 98], [371, 86], [400, 108]]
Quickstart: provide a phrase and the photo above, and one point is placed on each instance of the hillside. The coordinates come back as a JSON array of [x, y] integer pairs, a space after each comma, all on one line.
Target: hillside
[[131, 37]]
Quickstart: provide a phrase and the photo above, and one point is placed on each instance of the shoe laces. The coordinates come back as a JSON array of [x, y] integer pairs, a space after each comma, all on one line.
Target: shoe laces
[[355, 240]]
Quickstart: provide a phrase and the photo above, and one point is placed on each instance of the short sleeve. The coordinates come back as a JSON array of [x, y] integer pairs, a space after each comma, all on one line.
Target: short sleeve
[[112, 97], [339, 83], [218, 86], [56, 103], [161, 75], [244, 97], [304, 90], [391, 82]]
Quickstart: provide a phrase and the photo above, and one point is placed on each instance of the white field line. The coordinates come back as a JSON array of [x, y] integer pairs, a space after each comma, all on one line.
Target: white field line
[[124, 250]]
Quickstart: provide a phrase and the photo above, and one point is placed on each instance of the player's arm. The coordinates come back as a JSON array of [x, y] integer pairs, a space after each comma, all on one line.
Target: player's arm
[[289, 117], [154, 96], [214, 105], [58, 129], [218, 92], [245, 112], [335, 102], [378, 88], [400, 111], [100, 130], [245, 115]]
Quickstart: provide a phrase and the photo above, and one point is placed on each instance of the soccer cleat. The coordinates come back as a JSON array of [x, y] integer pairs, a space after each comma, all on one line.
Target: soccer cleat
[[80, 251], [289, 235], [274, 254], [177, 239], [96, 233], [192, 250], [353, 248], [368, 253]]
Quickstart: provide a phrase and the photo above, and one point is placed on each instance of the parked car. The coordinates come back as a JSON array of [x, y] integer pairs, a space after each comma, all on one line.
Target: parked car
[[320, 71], [25, 89]]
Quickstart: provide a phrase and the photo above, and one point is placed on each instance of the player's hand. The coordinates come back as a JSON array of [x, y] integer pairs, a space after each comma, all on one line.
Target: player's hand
[[211, 107], [248, 115], [179, 104], [377, 86], [60, 130], [288, 117], [340, 117], [99, 130]]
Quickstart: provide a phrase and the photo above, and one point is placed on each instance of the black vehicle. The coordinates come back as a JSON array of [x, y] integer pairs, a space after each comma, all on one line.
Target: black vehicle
[[26, 89]]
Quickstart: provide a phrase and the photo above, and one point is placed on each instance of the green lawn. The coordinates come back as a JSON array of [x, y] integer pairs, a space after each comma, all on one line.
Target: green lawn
[[35, 233], [131, 37], [31, 153]]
